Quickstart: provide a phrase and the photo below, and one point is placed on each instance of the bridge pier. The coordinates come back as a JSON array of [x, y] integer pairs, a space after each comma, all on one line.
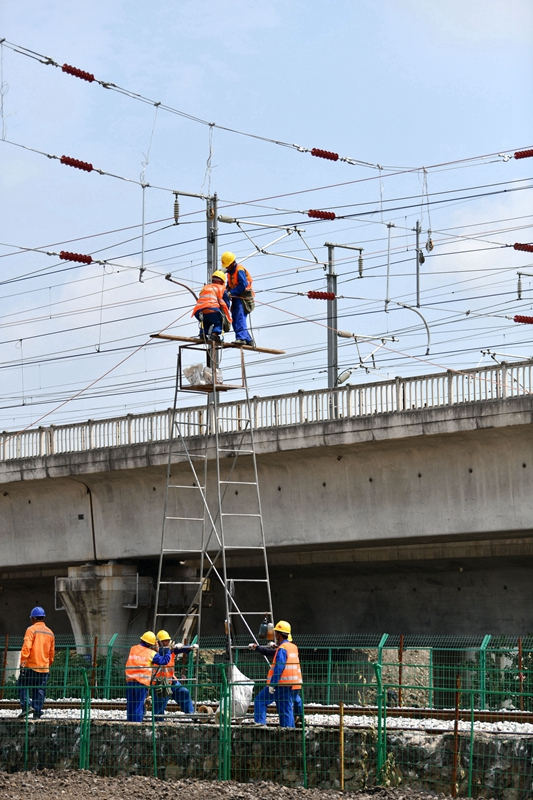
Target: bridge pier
[[98, 598]]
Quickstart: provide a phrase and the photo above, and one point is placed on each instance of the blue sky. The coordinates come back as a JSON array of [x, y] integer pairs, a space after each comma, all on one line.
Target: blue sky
[[400, 84]]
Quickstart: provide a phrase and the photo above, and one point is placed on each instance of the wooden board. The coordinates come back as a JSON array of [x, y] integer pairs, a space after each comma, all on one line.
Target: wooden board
[[225, 345]]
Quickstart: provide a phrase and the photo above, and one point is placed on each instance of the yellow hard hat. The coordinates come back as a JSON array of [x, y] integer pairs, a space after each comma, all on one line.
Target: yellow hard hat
[[219, 274], [149, 637], [163, 636], [283, 627], [227, 259]]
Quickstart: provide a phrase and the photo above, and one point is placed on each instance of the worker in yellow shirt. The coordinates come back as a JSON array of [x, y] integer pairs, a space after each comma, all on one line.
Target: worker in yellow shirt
[[36, 658]]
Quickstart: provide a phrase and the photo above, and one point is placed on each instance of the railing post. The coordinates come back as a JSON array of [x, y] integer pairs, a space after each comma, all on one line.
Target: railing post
[[505, 370], [300, 407], [255, 407], [51, 440], [450, 397], [130, 429], [399, 397], [42, 441]]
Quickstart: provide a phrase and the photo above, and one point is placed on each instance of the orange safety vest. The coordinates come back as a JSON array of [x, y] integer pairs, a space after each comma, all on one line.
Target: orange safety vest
[[212, 298], [292, 673], [139, 664], [38, 648], [233, 278], [168, 670]]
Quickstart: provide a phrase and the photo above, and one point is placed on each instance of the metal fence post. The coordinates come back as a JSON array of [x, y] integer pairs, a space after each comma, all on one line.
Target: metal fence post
[[483, 671], [304, 745], [380, 759], [328, 691], [341, 744], [109, 666], [85, 723], [471, 751], [154, 745], [430, 678], [65, 675], [453, 787]]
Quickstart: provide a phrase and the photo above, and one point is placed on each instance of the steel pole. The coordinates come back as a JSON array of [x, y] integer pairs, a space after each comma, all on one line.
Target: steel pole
[[333, 359], [212, 235], [418, 230]]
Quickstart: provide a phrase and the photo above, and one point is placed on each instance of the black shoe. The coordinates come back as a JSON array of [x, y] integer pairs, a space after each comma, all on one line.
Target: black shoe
[[214, 337], [37, 714], [22, 715], [244, 341]]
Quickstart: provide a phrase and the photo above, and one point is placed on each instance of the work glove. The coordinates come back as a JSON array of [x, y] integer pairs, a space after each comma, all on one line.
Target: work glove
[[252, 646], [271, 689], [194, 646]]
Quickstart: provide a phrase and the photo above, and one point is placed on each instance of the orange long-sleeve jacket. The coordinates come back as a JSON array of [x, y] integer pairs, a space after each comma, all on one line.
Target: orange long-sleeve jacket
[[38, 648]]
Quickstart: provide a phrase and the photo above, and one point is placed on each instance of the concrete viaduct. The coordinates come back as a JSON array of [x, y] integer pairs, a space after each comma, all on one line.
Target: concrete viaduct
[[405, 507]]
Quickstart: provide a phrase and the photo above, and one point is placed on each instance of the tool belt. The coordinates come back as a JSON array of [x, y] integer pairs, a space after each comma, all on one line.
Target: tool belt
[[248, 301], [162, 687]]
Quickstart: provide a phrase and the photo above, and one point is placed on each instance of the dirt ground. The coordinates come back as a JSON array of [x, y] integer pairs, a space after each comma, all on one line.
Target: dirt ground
[[81, 785]]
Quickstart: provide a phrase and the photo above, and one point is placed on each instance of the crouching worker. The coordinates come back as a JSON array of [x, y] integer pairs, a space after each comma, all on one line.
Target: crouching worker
[[284, 679], [166, 683], [212, 309], [139, 671]]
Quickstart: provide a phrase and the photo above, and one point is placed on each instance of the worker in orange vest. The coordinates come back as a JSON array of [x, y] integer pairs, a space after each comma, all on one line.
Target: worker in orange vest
[[142, 661], [212, 308], [36, 658], [242, 296], [283, 680], [166, 682]]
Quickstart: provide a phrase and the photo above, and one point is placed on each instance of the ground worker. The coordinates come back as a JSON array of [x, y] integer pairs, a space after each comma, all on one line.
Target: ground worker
[[142, 660], [242, 296], [165, 679], [212, 308], [36, 658], [283, 680]]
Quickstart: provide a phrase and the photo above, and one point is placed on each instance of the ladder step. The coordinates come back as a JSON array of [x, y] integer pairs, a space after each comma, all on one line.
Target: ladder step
[[243, 547], [180, 583], [249, 580], [241, 483], [180, 615], [244, 613], [238, 452], [176, 486], [181, 551], [228, 514], [190, 519]]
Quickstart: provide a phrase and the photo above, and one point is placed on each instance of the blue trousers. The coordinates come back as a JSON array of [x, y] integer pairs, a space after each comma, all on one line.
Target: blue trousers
[[297, 704], [136, 694], [212, 322], [32, 683], [239, 320], [284, 699], [180, 695]]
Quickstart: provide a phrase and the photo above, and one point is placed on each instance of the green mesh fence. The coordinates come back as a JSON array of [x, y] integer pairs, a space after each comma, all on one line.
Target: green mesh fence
[[441, 714]]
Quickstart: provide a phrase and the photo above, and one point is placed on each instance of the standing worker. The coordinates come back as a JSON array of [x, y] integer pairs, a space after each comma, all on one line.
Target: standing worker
[[168, 679], [242, 297], [36, 658], [212, 308], [142, 659], [268, 651], [283, 680]]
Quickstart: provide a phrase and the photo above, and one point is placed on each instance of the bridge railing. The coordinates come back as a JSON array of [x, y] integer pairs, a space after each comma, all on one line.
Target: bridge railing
[[400, 394]]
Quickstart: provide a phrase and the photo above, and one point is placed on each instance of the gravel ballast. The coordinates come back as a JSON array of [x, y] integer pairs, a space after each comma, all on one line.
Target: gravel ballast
[[83, 785]]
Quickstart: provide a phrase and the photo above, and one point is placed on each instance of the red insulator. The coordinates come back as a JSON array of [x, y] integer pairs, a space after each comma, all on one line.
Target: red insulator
[[78, 73], [312, 295], [74, 162], [66, 256], [321, 214], [525, 320], [524, 154], [324, 154], [527, 248]]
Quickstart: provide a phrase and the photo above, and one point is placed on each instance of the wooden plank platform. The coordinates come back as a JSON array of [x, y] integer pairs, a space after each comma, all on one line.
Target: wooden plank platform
[[224, 345]]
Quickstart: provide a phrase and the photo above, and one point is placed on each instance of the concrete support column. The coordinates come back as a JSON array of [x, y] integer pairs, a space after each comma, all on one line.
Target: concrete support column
[[98, 598]]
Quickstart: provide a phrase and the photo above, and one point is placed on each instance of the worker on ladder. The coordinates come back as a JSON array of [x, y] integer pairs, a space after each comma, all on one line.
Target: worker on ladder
[[283, 679], [142, 659], [166, 683], [212, 308], [242, 296]]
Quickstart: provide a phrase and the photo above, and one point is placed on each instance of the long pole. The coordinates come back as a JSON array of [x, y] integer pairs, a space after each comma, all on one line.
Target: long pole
[[333, 359], [341, 743], [418, 230], [212, 235], [456, 736]]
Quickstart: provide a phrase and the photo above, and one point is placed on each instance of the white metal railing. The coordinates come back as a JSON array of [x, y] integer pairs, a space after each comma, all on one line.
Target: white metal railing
[[494, 382]]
